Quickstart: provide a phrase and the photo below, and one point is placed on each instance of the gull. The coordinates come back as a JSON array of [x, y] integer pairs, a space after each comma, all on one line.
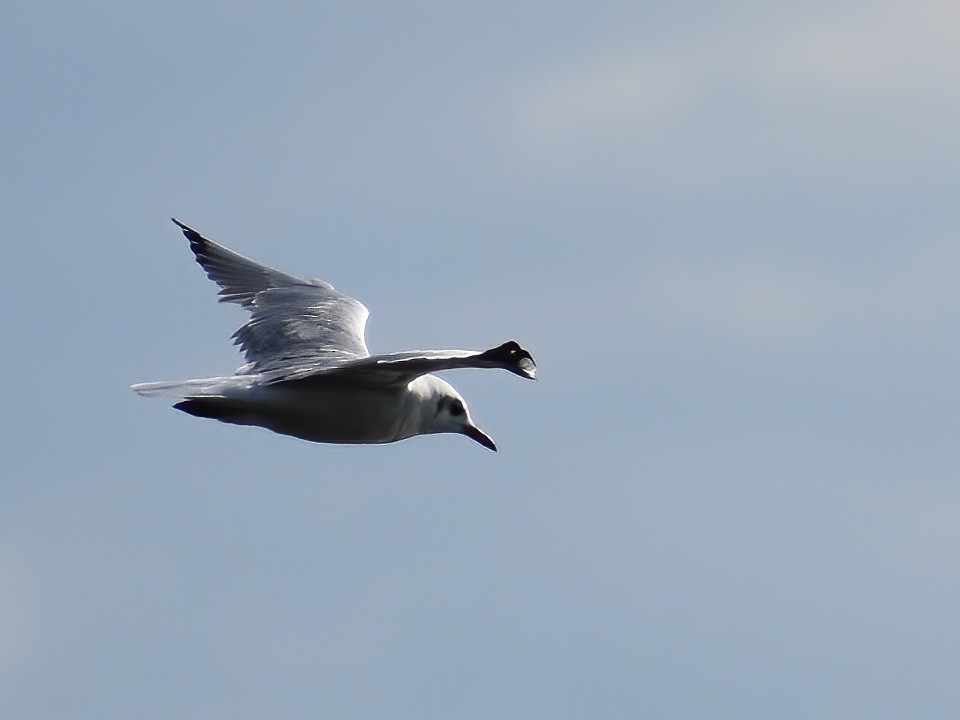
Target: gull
[[308, 372]]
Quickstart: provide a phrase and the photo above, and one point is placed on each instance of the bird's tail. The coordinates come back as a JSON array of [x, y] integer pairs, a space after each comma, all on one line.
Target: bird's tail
[[204, 387]]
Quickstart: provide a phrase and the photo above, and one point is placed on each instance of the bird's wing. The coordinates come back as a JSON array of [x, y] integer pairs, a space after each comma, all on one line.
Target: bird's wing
[[293, 322], [401, 368]]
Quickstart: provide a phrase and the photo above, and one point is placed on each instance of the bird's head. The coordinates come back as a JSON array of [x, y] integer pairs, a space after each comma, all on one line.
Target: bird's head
[[443, 410]]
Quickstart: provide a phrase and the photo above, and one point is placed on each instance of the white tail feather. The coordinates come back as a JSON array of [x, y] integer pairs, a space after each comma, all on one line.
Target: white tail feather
[[204, 387]]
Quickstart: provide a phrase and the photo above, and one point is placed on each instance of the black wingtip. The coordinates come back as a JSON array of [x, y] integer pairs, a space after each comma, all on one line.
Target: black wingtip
[[187, 230], [198, 242], [511, 356]]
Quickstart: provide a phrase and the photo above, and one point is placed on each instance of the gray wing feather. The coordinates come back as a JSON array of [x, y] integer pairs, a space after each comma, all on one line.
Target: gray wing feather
[[402, 367], [302, 325], [293, 322], [239, 277]]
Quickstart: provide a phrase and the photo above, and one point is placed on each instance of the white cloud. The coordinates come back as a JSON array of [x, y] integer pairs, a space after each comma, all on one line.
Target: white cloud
[[898, 57], [738, 300], [609, 94], [895, 303], [18, 627]]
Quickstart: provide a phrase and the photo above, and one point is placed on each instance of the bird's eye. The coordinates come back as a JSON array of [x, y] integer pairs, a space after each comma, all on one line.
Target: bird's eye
[[456, 408]]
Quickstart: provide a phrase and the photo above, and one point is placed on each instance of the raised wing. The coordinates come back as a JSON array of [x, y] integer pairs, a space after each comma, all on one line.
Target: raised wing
[[401, 368], [294, 323], [239, 277]]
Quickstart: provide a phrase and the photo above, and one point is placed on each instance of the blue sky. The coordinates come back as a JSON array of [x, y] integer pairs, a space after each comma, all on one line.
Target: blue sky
[[727, 233]]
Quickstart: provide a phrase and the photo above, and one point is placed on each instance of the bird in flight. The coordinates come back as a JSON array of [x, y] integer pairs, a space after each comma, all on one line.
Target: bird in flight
[[309, 373]]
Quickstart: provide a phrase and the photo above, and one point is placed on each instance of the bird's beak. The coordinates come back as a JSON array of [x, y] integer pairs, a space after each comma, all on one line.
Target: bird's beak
[[475, 433]]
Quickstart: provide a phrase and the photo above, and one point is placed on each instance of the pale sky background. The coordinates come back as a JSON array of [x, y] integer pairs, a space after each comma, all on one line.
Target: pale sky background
[[729, 233]]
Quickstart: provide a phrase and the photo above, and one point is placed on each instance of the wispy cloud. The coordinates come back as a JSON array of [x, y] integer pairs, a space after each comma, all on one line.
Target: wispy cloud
[[898, 57], [753, 301], [610, 93], [771, 302]]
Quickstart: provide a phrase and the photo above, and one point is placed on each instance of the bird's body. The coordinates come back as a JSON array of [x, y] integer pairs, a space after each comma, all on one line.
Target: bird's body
[[309, 374], [323, 411]]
